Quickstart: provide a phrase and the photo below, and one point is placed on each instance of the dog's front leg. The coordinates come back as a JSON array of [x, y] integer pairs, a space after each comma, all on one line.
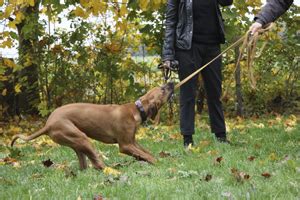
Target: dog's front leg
[[133, 150], [142, 148]]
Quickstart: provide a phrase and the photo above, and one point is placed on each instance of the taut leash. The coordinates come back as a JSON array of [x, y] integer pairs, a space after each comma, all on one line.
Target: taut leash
[[249, 41]]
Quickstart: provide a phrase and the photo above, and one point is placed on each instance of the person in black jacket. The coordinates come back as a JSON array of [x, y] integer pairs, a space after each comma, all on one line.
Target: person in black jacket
[[269, 13], [194, 32]]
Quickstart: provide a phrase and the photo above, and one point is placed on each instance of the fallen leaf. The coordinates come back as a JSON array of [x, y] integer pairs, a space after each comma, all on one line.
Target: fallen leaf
[[240, 176], [204, 143], [98, 197], [163, 154], [273, 157], [111, 171], [291, 121], [176, 136], [251, 158], [208, 177], [219, 159], [9, 160], [213, 152], [266, 175], [47, 163]]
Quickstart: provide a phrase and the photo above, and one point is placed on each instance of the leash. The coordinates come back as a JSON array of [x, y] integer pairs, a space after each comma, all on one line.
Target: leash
[[249, 43]]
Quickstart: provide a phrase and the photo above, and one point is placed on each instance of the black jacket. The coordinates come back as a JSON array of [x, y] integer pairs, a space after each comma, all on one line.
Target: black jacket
[[179, 25], [272, 10]]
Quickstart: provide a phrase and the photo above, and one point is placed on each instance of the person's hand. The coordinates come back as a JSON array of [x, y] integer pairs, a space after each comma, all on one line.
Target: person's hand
[[255, 27], [170, 64]]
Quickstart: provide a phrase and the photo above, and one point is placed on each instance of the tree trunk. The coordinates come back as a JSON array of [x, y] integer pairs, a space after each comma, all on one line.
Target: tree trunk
[[28, 99], [238, 85]]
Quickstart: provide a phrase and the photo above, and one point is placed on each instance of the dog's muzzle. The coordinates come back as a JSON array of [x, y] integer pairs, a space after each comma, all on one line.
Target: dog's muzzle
[[170, 88]]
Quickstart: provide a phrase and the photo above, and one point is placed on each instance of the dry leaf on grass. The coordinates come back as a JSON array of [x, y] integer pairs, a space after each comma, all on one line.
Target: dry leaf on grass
[[219, 159], [47, 163], [164, 154], [266, 174], [208, 177], [240, 176], [111, 171], [251, 158]]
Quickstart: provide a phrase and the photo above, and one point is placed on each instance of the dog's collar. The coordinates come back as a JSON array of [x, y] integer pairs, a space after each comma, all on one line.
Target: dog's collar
[[141, 109]]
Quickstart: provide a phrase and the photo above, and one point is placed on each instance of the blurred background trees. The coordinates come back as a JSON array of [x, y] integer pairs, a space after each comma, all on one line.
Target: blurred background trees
[[108, 52]]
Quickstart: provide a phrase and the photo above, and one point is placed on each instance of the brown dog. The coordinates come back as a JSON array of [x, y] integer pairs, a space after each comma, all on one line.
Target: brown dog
[[72, 124]]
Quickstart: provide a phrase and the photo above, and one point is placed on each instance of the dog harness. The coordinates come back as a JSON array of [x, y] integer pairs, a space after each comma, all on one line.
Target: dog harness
[[141, 109]]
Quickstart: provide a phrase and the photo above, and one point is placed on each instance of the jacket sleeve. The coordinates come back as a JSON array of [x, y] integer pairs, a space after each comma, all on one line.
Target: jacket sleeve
[[225, 2], [171, 17], [272, 10]]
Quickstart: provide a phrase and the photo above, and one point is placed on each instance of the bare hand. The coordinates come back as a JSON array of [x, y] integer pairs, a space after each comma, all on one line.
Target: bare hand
[[255, 27]]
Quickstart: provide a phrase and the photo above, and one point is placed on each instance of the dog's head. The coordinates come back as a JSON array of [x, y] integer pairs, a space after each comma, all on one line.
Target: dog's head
[[153, 100]]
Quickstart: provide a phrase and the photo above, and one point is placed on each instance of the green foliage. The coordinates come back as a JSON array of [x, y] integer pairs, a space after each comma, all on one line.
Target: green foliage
[[93, 61]]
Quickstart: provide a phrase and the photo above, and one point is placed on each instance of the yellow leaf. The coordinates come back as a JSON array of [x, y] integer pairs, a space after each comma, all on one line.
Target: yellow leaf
[[19, 17], [291, 121], [3, 78], [84, 3], [1, 2], [28, 61], [98, 7], [12, 24], [143, 4], [18, 88], [4, 92], [123, 10], [121, 26], [8, 11], [30, 2], [15, 130], [260, 125], [156, 4], [7, 43], [273, 156], [9, 63], [79, 12], [111, 171]]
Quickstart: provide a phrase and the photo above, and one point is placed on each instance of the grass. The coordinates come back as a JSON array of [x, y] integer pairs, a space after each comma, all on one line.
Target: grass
[[272, 146]]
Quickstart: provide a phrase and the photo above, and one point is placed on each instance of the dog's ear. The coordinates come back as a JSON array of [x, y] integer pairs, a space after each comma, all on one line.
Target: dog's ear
[[152, 111]]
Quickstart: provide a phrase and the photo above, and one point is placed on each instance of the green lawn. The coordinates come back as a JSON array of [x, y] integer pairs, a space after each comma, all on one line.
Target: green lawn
[[210, 170]]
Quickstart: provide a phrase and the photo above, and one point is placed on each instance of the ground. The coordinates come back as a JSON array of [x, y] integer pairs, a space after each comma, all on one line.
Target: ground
[[263, 162]]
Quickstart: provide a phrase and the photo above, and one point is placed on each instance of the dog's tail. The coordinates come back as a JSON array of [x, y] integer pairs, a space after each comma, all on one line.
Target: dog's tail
[[30, 137]]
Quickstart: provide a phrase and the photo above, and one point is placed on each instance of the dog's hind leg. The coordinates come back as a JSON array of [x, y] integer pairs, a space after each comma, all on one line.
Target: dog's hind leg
[[82, 159], [77, 140], [87, 149]]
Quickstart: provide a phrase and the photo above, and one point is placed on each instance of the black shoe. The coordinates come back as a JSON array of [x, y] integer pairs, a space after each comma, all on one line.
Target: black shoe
[[223, 140], [187, 140]]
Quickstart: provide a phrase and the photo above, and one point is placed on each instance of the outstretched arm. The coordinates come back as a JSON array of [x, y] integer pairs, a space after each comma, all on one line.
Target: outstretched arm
[[270, 12]]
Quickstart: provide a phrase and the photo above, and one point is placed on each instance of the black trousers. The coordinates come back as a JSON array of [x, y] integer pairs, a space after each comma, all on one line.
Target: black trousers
[[190, 61]]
